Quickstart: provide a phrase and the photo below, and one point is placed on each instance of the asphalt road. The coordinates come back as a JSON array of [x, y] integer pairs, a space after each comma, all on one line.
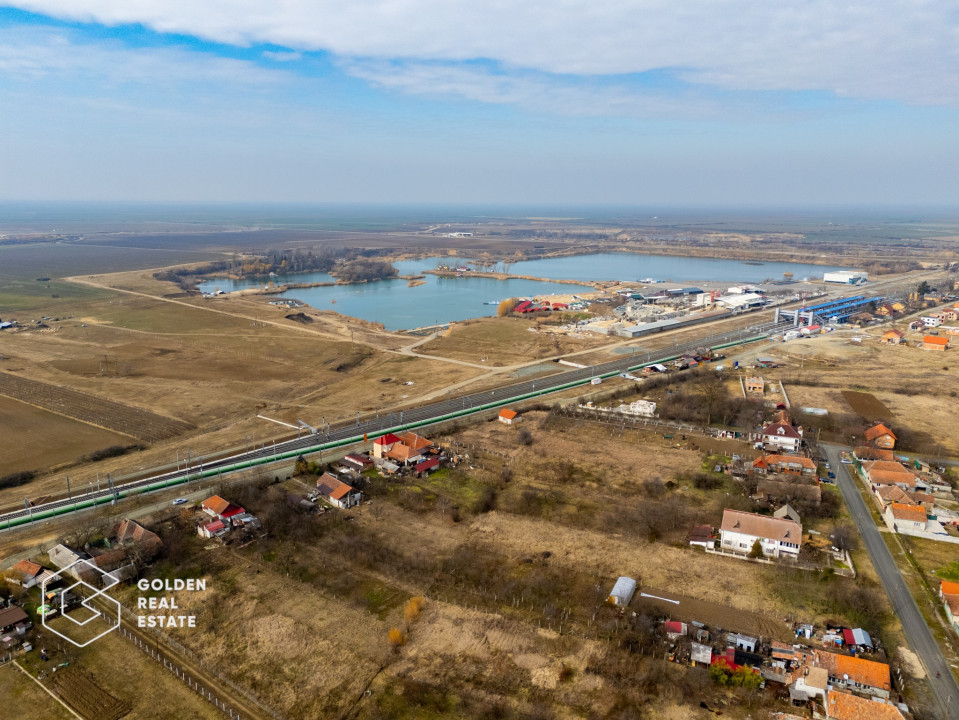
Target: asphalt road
[[920, 638], [415, 417]]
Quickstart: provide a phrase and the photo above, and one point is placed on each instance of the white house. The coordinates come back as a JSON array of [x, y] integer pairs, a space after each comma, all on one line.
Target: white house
[[777, 536], [783, 436], [337, 493], [900, 517], [931, 320]]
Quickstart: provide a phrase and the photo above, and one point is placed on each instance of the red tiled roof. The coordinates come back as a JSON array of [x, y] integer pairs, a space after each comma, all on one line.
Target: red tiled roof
[[332, 488], [387, 439], [935, 340], [427, 464], [414, 441], [223, 508], [915, 513], [947, 587], [28, 568], [865, 672], [770, 460], [845, 706], [508, 414], [877, 431]]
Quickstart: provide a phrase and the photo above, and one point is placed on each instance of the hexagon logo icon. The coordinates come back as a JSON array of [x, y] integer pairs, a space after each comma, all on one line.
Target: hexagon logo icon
[[111, 614]]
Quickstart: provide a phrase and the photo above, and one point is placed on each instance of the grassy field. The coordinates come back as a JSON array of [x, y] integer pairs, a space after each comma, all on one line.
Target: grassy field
[[31, 702]]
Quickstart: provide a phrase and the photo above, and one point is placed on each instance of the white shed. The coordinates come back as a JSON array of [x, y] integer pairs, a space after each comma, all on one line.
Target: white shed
[[623, 591]]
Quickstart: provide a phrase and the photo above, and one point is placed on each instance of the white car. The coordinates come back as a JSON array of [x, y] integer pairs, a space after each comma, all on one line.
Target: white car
[[180, 501]]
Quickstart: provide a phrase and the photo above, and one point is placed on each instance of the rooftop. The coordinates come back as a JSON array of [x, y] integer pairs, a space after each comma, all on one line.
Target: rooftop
[[761, 526], [877, 431], [900, 511], [844, 706], [862, 671]]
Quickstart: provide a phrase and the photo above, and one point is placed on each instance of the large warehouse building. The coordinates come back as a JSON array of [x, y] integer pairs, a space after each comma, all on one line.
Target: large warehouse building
[[846, 277]]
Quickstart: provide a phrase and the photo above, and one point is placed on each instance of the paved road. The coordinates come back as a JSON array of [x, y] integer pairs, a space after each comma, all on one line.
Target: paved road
[[917, 632]]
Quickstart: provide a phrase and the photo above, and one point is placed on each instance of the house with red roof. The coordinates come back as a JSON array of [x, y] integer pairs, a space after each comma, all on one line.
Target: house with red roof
[[337, 493], [212, 529], [949, 594], [880, 436], [384, 444], [26, 574], [220, 508], [507, 416]]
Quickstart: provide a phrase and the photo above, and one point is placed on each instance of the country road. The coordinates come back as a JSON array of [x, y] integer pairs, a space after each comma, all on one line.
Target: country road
[[920, 638]]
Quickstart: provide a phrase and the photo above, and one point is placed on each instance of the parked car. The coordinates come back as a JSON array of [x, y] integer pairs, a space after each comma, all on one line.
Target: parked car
[[180, 501]]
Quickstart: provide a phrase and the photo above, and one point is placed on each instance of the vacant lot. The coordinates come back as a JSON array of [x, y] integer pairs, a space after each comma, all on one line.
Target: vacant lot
[[867, 406], [24, 430], [504, 341], [31, 702]]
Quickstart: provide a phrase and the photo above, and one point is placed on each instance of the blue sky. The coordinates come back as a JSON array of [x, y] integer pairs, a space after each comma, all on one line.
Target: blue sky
[[645, 102]]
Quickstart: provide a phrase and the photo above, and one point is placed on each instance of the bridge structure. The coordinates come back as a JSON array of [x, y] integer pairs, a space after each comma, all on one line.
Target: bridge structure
[[832, 311]]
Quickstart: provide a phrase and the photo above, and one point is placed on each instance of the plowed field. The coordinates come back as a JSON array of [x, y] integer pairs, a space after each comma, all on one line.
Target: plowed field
[[133, 421], [78, 690], [867, 405]]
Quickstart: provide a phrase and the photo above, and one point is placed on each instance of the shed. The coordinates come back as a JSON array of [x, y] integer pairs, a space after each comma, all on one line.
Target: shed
[[935, 342], [508, 417], [701, 653], [623, 591]]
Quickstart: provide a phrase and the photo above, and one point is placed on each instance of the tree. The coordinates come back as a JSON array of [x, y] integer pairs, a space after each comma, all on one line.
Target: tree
[[525, 437], [412, 609], [506, 307], [397, 638], [845, 537], [923, 289], [757, 549]]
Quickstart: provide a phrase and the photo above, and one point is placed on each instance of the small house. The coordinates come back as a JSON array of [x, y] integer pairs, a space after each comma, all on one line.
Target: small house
[[384, 444], [755, 384], [622, 592], [508, 417], [879, 436], [785, 464], [357, 462], [212, 529], [220, 508], [425, 467], [935, 342], [900, 517], [337, 493], [26, 574], [892, 337], [11, 617], [949, 594], [703, 536], [854, 673]]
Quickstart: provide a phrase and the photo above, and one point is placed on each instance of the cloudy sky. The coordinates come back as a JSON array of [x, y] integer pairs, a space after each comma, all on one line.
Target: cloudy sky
[[645, 102]]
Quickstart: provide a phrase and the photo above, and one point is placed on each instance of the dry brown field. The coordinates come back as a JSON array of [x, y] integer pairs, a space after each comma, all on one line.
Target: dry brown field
[[35, 438], [31, 702], [866, 405]]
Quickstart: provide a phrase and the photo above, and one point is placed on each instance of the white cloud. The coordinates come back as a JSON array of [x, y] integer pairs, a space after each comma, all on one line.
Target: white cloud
[[281, 55], [529, 90], [31, 53], [889, 49]]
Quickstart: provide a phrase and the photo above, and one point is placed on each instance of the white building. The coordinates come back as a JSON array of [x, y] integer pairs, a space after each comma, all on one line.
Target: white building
[[782, 436], [846, 277], [931, 320], [777, 536]]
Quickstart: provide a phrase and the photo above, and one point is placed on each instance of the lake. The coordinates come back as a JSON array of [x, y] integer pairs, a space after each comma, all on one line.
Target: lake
[[442, 300]]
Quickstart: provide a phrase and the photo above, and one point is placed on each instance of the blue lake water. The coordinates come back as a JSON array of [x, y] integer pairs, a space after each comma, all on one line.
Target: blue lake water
[[441, 300]]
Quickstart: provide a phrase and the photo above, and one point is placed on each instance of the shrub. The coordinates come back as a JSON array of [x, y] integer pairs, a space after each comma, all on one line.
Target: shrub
[[397, 637], [413, 608]]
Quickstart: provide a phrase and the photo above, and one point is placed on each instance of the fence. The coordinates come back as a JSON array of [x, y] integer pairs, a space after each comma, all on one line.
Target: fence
[[204, 689]]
